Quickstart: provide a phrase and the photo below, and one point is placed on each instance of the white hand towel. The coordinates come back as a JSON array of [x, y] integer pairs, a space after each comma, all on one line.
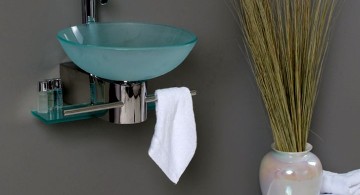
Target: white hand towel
[[343, 184], [174, 142]]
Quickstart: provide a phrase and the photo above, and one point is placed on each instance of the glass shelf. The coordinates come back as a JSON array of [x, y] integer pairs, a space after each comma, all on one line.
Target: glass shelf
[[151, 106], [56, 116]]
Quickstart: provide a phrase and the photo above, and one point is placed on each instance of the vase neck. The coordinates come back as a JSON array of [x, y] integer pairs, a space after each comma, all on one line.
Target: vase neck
[[308, 148]]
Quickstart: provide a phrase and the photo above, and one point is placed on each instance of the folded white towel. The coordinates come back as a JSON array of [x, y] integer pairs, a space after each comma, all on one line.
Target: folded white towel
[[342, 184], [174, 142]]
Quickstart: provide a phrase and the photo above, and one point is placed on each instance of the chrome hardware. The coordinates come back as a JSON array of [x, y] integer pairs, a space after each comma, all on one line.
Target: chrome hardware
[[123, 102], [92, 108], [152, 98], [88, 8], [103, 2], [132, 94], [118, 105]]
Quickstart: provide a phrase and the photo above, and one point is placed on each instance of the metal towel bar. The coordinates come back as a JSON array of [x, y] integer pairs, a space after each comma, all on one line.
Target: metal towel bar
[[106, 106]]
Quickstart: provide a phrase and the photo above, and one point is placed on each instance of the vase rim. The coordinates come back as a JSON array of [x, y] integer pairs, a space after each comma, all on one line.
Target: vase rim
[[308, 148]]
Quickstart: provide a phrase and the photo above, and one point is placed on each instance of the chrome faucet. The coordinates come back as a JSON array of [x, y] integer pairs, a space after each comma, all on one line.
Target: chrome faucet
[[88, 8]]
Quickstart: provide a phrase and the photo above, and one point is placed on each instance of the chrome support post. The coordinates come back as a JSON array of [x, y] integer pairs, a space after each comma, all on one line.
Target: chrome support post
[[88, 10]]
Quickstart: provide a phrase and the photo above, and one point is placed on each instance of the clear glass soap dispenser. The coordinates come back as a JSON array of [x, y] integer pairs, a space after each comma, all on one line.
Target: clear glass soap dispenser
[[50, 94], [43, 102], [58, 94]]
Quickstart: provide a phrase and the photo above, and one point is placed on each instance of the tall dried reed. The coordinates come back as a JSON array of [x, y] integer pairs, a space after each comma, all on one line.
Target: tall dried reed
[[287, 41]]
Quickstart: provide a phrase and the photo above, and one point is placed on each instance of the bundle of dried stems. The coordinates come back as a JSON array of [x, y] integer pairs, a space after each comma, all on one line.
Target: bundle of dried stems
[[287, 41]]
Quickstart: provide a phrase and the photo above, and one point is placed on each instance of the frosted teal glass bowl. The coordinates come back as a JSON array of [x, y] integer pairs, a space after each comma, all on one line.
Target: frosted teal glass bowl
[[126, 51]]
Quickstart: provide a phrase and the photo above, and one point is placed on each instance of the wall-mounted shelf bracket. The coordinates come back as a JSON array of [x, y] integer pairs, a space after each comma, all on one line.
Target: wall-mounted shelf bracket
[[118, 102]]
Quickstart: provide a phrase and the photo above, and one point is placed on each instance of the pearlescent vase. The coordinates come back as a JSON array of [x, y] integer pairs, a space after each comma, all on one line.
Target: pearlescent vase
[[290, 173]]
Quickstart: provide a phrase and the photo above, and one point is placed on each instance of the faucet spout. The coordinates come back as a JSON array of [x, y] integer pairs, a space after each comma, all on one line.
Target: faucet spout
[[88, 8], [103, 2]]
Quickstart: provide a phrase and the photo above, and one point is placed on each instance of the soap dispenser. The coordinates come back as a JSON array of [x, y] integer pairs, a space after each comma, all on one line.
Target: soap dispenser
[[43, 102]]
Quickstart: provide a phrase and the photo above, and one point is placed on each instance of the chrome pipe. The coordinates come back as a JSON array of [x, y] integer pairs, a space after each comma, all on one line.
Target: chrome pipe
[[88, 9], [133, 95], [99, 107], [93, 108], [152, 98]]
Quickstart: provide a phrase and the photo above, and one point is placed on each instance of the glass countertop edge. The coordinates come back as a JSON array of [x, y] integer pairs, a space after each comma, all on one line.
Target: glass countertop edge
[[44, 117], [56, 117], [63, 119]]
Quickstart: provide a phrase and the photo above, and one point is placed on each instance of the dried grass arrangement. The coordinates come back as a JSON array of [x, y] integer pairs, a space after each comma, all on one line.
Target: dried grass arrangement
[[286, 42]]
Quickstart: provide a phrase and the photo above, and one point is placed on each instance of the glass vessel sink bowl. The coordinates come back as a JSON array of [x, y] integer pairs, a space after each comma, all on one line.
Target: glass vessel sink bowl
[[126, 51]]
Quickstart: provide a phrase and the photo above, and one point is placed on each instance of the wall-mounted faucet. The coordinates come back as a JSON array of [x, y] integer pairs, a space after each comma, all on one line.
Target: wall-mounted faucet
[[88, 8]]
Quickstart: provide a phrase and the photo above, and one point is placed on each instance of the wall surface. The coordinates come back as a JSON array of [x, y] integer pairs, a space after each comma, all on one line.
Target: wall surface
[[94, 157]]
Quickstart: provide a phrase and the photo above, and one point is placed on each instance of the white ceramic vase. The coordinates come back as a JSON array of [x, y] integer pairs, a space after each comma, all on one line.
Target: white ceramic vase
[[290, 173]]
